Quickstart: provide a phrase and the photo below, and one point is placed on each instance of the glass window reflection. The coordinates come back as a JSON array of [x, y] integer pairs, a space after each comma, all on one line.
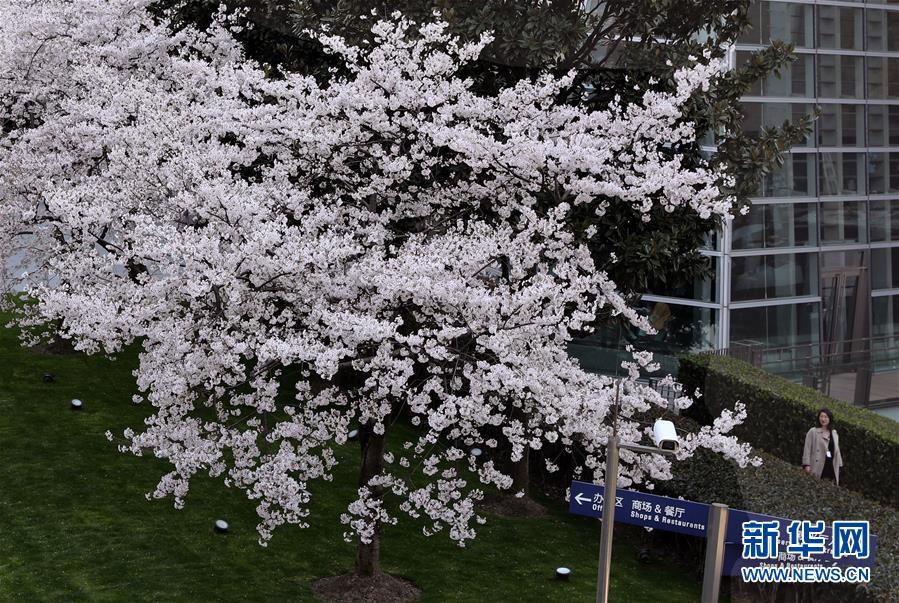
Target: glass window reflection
[[841, 126], [743, 57], [793, 23], [773, 276], [757, 116], [841, 173], [883, 172], [884, 220], [796, 178], [705, 289], [678, 328], [883, 125], [885, 268], [840, 76], [882, 30], [787, 21], [843, 222], [795, 79], [840, 27], [776, 326], [775, 225], [883, 78], [885, 316]]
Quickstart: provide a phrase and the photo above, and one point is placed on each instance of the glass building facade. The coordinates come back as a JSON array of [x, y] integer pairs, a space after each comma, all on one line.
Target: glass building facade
[[816, 259]]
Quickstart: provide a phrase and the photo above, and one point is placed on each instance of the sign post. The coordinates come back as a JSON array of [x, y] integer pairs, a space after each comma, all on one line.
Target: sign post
[[737, 542], [608, 523], [714, 552], [608, 511]]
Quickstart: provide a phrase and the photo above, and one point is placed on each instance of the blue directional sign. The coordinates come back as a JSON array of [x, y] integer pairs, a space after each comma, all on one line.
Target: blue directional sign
[[773, 536], [641, 509]]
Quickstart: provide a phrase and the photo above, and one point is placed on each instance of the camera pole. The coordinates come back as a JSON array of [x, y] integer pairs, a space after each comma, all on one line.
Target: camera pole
[[610, 490], [714, 552], [608, 521]]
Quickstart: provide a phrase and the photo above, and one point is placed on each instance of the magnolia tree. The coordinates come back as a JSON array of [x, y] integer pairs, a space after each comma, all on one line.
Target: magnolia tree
[[299, 258]]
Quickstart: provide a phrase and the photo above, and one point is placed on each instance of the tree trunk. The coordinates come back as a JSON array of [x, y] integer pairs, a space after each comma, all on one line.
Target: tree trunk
[[521, 473], [368, 556], [521, 470]]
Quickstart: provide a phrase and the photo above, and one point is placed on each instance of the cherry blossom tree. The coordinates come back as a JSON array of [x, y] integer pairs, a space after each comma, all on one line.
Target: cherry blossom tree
[[297, 258]]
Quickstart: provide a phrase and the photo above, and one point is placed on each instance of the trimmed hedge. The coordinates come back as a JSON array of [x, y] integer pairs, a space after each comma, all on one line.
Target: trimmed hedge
[[784, 490], [775, 488], [781, 412]]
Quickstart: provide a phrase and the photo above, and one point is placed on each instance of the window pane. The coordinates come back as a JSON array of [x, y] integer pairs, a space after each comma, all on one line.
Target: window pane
[[776, 326], [883, 172], [883, 29], [680, 328], [840, 76], [885, 268], [743, 57], [711, 240], [747, 278], [773, 115], [752, 33], [885, 316], [843, 222], [840, 27], [748, 232], [878, 125], [773, 276], [775, 225], [795, 179], [796, 79], [893, 163], [788, 275], [702, 289], [841, 126], [884, 221], [842, 174], [842, 259], [789, 22], [883, 77], [753, 118]]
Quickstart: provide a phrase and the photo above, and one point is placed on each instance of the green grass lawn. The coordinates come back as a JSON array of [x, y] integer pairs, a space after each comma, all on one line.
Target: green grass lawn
[[75, 525]]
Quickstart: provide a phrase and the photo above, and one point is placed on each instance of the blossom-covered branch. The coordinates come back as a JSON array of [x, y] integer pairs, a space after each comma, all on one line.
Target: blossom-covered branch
[[389, 239]]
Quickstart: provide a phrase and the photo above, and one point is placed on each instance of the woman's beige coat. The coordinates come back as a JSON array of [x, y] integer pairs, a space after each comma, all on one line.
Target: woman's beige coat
[[815, 452]]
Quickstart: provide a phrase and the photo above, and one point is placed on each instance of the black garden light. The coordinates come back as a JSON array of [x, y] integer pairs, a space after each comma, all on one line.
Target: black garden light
[[220, 526], [563, 573], [76, 404]]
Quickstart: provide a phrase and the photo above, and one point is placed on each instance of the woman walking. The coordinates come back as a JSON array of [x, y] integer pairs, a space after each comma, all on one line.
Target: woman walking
[[821, 455]]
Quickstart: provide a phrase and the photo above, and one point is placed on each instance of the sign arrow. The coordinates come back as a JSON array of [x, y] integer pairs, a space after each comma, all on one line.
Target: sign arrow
[[639, 509]]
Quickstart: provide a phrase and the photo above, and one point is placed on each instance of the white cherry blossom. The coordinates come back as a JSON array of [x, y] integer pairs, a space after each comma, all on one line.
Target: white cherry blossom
[[297, 258]]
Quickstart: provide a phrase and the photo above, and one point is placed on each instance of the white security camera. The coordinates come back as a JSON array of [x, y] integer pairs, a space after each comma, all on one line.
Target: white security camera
[[664, 435]]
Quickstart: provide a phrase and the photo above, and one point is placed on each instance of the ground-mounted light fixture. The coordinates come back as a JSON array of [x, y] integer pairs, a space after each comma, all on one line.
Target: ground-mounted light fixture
[[353, 435], [563, 573], [76, 404], [220, 526], [476, 452], [49, 378]]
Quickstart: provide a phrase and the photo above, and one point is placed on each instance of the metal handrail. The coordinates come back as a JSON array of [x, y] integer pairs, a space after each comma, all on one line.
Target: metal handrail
[[817, 363], [867, 346]]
